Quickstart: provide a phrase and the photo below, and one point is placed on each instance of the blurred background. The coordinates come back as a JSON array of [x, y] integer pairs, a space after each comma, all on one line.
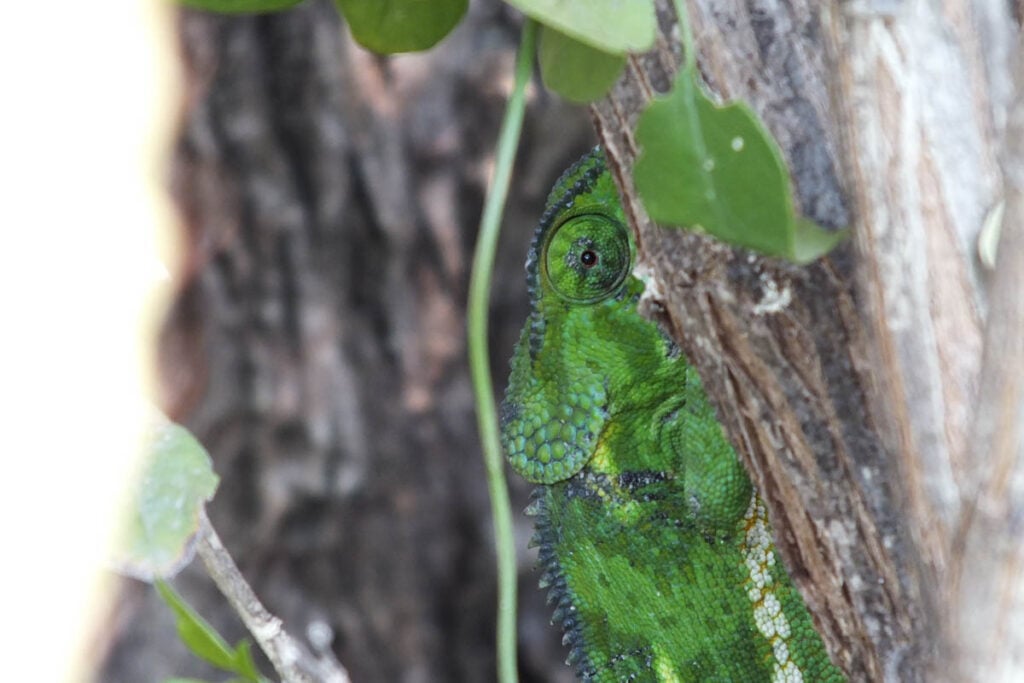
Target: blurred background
[[328, 200]]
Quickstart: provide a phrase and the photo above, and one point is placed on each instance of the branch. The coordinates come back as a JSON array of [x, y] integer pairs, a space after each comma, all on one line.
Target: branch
[[292, 661]]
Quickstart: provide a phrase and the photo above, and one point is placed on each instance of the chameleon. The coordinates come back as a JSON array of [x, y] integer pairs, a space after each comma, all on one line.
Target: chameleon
[[655, 547]]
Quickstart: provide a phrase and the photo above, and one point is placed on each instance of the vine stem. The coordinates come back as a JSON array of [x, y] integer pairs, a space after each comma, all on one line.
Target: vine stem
[[479, 295], [689, 48]]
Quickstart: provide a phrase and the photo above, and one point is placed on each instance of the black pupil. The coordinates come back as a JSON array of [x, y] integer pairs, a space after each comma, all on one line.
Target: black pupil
[[588, 258]]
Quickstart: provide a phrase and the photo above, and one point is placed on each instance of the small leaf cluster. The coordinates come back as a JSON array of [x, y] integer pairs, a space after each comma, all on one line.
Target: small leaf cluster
[[385, 26], [706, 167], [583, 43]]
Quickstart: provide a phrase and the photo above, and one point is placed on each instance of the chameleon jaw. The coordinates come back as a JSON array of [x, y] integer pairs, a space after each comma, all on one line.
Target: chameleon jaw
[[545, 445]]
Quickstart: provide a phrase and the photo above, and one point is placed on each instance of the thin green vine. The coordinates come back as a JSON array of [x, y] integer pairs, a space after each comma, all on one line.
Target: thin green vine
[[689, 49], [479, 295]]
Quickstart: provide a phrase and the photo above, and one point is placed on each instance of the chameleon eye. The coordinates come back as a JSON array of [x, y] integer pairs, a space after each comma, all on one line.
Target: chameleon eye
[[587, 258]]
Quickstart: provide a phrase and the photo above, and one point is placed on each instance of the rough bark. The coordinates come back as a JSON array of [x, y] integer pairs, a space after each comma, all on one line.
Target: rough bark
[[329, 200], [851, 387]]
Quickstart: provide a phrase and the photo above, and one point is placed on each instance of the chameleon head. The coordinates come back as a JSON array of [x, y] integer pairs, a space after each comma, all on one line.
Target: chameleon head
[[578, 351]]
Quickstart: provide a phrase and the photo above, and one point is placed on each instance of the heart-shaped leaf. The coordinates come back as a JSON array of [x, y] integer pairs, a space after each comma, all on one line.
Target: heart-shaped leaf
[[575, 70], [615, 26], [716, 168], [388, 26]]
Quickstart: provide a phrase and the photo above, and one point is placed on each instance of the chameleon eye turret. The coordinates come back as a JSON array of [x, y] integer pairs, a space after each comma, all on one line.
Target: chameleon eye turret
[[587, 258]]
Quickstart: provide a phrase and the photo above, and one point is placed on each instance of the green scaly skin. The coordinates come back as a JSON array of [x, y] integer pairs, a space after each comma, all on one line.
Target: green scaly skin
[[655, 547]]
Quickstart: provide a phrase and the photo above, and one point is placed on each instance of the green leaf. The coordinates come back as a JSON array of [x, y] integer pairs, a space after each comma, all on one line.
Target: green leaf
[[811, 241], [246, 666], [615, 26], [575, 70], [388, 26], [176, 479], [201, 638], [241, 6], [718, 169], [204, 641]]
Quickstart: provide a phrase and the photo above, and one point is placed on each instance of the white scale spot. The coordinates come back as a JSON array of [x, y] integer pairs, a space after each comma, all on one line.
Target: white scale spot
[[759, 557], [788, 673], [737, 143], [709, 164]]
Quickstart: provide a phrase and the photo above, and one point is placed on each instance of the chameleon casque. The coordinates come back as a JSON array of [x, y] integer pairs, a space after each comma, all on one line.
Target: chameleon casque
[[654, 545]]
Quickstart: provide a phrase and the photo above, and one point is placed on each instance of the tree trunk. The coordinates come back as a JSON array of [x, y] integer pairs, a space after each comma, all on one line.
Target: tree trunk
[[884, 441], [330, 200]]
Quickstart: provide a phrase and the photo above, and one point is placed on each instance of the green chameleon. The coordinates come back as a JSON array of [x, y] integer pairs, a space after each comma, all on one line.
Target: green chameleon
[[656, 548]]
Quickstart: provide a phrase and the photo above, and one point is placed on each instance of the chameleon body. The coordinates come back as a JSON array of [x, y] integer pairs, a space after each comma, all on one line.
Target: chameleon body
[[654, 545]]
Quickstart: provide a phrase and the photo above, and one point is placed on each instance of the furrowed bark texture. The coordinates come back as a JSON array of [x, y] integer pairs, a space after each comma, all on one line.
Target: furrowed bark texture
[[850, 386], [925, 89], [330, 200]]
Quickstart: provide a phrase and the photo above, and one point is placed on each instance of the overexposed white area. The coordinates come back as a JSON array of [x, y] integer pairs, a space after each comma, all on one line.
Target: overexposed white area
[[89, 95]]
